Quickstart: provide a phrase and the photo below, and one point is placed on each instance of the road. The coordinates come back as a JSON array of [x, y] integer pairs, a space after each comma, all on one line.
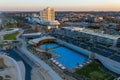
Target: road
[[14, 54]]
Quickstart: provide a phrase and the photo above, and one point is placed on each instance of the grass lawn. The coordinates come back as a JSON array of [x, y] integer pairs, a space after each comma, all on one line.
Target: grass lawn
[[11, 36], [93, 72]]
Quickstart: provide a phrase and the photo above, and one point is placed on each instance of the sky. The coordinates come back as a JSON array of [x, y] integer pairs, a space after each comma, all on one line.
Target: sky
[[60, 5]]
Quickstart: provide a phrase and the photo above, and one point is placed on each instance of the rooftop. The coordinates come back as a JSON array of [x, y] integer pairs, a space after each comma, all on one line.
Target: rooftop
[[32, 34], [37, 40]]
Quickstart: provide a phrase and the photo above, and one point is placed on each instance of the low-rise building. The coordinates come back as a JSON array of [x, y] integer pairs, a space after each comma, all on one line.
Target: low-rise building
[[89, 35]]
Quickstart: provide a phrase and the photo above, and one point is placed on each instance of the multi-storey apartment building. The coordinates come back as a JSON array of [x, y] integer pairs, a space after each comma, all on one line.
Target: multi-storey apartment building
[[91, 36], [48, 14]]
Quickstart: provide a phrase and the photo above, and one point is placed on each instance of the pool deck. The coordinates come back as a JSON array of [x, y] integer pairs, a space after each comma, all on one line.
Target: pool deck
[[57, 56], [106, 61], [56, 68], [60, 71]]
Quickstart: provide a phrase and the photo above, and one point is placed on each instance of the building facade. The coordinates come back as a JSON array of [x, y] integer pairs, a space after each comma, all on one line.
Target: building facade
[[87, 35], [48, 14]]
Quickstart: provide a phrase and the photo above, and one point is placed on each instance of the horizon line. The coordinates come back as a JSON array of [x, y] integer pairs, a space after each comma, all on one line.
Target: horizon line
[[61, 10]]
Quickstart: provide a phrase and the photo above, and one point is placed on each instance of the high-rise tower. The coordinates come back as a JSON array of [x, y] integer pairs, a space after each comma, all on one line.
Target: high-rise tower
[[48, 14]]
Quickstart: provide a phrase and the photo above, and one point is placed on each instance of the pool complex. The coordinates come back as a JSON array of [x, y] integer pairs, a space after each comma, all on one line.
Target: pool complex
[[68, 58]]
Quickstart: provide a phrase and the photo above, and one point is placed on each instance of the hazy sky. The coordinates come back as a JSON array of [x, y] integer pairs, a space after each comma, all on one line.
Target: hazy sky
[[71, 5]]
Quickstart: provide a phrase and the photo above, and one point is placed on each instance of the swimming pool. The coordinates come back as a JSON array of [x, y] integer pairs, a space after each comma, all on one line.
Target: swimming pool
[[68, 57], [48, 46]]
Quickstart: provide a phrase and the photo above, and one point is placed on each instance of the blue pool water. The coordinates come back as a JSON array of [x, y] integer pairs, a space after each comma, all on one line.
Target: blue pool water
[[68, 58], [48, 46]]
